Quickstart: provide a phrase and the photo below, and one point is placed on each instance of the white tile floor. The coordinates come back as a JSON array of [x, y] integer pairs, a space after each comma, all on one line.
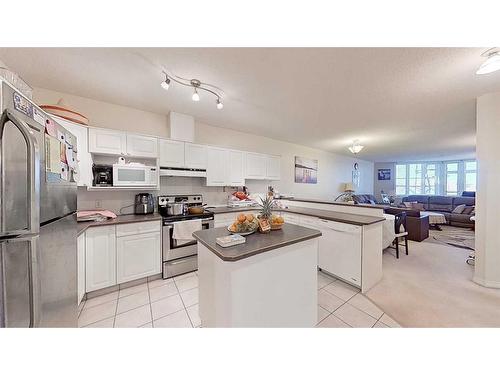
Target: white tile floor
[[173, 303]]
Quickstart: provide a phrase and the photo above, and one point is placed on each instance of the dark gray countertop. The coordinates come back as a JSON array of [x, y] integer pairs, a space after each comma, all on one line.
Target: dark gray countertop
[[256, 243], [122, 219], [310, 200], [340, 217]]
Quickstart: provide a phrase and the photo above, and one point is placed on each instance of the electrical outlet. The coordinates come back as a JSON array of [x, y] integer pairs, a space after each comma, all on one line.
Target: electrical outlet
[[97, 203]]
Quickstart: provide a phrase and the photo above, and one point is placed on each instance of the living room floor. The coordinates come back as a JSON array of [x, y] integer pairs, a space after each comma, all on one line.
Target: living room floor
[[433, 287]]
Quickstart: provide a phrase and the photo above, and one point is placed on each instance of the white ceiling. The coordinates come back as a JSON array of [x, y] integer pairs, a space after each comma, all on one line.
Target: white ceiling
[[401, 103]]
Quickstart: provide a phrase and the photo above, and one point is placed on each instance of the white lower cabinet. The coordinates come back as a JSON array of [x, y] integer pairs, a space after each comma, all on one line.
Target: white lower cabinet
[[115, 254], [100, 257], [80, 256], [137, 256], [340, 250]]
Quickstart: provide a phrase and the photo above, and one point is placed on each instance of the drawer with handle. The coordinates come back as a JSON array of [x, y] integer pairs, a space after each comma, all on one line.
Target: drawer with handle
[[138, 228], [179, 266]]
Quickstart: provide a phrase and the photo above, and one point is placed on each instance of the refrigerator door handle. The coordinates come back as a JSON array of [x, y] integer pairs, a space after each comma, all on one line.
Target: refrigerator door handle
[[34, 280], [33, 199]]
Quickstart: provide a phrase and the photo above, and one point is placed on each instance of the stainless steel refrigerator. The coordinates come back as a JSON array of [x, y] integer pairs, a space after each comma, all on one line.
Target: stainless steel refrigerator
[[38, 250]]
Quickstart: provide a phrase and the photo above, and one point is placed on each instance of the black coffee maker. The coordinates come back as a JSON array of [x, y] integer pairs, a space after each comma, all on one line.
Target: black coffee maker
[[144, 204]]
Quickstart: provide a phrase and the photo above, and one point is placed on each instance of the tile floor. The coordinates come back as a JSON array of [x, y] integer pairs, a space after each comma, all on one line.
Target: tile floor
[[173, 303]]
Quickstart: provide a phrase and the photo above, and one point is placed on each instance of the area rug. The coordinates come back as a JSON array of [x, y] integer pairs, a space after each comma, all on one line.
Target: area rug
[[462, 238]]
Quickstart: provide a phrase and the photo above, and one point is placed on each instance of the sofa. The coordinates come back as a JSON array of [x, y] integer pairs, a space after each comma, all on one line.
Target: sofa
[[445, 205], [364, 199], [417, 227]]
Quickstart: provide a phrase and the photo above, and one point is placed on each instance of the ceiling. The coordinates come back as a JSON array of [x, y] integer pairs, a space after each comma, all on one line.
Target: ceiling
[[401, 103]]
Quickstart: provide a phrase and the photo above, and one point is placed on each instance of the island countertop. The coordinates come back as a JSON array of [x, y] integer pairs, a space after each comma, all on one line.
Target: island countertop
[[341, 217], [255, 243]]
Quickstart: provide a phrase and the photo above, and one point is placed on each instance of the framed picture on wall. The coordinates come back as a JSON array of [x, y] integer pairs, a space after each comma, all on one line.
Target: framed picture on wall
[[384, 174], [306, 170]]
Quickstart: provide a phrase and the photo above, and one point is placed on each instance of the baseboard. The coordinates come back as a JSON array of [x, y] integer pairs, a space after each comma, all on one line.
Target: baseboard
[[486, 283]]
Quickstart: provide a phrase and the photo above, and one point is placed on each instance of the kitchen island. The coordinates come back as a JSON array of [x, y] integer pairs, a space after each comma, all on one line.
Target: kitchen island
[[269, 281]]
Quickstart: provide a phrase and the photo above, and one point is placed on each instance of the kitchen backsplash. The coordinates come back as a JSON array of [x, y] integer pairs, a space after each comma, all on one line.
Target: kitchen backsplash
[[115, 200]]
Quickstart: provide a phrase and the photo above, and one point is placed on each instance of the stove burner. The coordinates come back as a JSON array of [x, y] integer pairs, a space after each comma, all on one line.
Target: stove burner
[[190, 200]]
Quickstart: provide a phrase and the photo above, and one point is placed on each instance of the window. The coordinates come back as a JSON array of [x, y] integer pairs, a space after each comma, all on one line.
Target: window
[[451, 179], [430, 179], [470, 175], [447, 178], [401, 179], [415, 179]]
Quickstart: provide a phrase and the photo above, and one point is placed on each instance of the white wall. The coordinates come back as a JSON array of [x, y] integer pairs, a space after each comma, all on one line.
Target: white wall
[[388, 186], [108, 115], [333, 170], [487, 269]]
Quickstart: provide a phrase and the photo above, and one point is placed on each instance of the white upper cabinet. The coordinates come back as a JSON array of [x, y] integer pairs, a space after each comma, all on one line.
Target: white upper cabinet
[[225, 167], [172, 153], [142, 146], [112, 142], [84, 158], [255, 166], [236, 176], [273, 167], [216, 166], [195, 156], [109, 142]]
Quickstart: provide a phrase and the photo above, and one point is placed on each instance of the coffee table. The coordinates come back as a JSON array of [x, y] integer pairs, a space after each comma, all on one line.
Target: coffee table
[[435, 219]]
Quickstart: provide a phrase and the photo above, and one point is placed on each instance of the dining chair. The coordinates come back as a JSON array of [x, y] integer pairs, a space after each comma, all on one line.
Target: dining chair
[[400, 222]]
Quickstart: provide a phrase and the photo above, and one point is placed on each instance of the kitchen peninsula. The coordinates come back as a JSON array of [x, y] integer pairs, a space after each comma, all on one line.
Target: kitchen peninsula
[[269, 281]]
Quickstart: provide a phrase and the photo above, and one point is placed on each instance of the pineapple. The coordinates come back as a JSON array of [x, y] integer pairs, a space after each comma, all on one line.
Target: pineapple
[[266, 207]]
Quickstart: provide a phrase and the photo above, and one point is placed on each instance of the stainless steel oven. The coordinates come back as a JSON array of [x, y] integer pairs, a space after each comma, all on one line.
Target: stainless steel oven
[[180, 258]]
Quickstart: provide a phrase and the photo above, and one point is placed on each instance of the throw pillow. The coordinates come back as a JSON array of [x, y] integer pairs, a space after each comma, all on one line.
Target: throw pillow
[[408, 204], [417, 206], [459, 209], [468, 210]]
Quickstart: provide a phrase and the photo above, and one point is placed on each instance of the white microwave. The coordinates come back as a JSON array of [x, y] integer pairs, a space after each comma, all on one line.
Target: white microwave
[[134, 175]]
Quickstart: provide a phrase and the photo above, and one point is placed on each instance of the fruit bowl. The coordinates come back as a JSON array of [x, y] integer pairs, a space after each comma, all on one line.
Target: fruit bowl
[[277, 222], [244, 225]]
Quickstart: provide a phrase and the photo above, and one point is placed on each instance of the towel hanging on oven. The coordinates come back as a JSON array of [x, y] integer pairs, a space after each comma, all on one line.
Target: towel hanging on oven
[[183, 230]]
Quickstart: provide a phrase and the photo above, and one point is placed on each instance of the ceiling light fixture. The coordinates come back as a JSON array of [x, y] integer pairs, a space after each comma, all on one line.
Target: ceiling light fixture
[[196, 84], [355, 147], [492, 62]]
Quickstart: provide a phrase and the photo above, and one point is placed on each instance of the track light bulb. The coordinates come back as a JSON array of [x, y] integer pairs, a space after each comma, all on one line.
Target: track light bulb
[[165, 84], [195, 97]]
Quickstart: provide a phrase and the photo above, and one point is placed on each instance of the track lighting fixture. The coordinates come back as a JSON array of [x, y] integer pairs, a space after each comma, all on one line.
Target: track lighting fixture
[[196, 85]]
